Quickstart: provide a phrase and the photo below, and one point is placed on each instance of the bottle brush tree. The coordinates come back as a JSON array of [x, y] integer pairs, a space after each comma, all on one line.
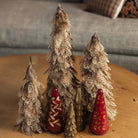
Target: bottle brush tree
[[28, 120], [61, 70], [95, 75]]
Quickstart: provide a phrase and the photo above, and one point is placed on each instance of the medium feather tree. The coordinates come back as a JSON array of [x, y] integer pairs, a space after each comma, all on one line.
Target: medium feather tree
[[61, 71], [95, 75], [29, 113]]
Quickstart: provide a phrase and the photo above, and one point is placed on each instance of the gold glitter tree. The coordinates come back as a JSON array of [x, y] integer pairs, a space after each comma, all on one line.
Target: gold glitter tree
[[70, 127]]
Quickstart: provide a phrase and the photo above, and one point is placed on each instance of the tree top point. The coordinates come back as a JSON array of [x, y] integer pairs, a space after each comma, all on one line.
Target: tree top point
[[71, 110], [95, 34], [94, 38], [29, 70], [59, 7], [78, 96], [30, 62]]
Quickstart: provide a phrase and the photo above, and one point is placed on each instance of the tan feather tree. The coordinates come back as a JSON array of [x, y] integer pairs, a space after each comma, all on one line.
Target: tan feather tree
[[28, 120], [61, 70], [95, 75]]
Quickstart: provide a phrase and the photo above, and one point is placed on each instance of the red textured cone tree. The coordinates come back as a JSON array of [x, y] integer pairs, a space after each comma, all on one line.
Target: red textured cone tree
[[99, 121], [55, 123]]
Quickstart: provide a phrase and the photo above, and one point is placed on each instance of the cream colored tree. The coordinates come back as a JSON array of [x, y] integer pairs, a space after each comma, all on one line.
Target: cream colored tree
[[95, 75], [61, 70], [28, 120]]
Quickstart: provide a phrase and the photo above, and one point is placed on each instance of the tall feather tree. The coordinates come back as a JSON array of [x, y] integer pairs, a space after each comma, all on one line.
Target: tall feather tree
[[95, 75], [28, 120], [61, 70]]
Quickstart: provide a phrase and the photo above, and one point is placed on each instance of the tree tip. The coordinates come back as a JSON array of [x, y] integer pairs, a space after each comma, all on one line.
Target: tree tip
[[30, 62], [29, 68], [95, 35], [59, 7], [71, 104], [71, 107], [78, 96], [94, 38]]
